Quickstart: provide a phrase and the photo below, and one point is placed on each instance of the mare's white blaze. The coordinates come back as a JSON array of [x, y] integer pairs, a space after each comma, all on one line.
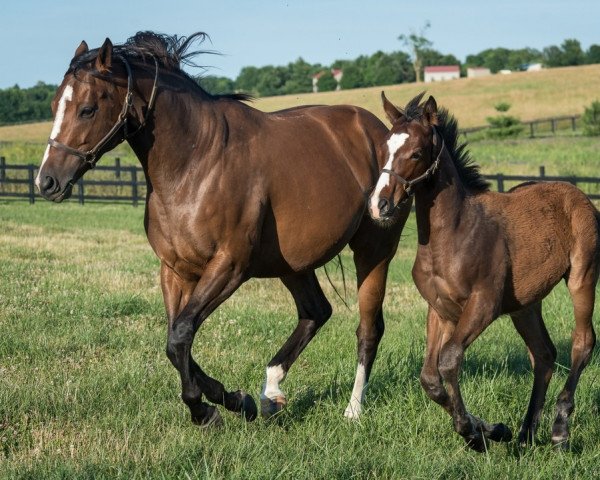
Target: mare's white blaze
[[394, 143], [354, 408], [66, 96], [275, 375]]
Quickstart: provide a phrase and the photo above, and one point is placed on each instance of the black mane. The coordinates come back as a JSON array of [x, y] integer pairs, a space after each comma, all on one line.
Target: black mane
[[170, 51], [468, 171]]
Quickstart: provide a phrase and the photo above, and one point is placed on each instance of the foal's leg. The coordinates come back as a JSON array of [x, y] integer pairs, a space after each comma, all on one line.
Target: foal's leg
[[373, 250], [530, 325], [438, 333], [476, 316], [313, 311], [581, 285], [220, 279]]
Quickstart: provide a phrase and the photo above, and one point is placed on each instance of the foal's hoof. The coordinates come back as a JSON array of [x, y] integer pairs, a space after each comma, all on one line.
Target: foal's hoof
[[476, 442], [272, 406], [208, 416], [499, 433], [248, 408]]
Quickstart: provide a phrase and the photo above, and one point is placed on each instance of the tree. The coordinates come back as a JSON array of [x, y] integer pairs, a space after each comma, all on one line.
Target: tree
[[417, 43], [216, 85], [572, 52], [326, 82], [593, 54]]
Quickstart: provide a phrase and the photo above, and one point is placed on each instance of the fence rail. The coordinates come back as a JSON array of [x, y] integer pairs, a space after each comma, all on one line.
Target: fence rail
[[126, 184], [536, 127]]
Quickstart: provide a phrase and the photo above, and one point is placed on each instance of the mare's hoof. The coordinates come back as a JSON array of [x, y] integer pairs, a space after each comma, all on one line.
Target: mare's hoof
[[526, 438], [272, 406], [209, 416], [500, 433], [561, 443], [248, 406]]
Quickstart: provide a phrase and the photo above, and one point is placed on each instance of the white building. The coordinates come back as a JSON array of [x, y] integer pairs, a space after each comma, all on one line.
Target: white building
[[477, 72], [441, 73]]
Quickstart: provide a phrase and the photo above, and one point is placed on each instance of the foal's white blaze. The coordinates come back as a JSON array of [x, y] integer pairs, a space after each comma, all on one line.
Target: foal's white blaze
[[354, 408], [394, 143], [66, 96], [275, 375]]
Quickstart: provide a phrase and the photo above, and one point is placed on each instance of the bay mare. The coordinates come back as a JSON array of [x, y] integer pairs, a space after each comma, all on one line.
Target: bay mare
[[482, 254], [233, 193]]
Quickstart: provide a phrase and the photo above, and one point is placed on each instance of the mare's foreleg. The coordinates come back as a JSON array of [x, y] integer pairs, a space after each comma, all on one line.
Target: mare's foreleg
[[219, 280], [313, 311]]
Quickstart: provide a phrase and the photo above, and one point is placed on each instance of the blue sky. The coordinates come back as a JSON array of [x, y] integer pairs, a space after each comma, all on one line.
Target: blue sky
[[39, 37]]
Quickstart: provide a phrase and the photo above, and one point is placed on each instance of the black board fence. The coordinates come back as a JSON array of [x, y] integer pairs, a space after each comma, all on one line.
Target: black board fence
[[127, 184], [538, 127]]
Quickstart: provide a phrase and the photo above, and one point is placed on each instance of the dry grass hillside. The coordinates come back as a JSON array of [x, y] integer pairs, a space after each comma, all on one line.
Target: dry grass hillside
[[549, 93]]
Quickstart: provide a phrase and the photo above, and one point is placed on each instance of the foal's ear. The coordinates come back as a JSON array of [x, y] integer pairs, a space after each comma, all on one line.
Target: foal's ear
[[104, 58], [81, 49], [392, 112], [430, 116]]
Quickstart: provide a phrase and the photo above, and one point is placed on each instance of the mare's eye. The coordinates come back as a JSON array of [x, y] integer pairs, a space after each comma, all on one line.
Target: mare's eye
[[416, 156], [87, 112]]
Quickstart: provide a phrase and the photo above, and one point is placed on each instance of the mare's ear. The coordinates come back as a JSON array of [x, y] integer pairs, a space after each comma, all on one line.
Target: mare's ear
[[393, 113], [81, 49], [430, 116], [104, 58]]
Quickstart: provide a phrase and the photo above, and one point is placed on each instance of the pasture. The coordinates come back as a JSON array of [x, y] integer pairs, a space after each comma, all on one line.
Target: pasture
[[87, 391]]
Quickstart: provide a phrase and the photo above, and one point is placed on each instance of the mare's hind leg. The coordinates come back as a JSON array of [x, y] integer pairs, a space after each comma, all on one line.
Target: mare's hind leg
[[581, 284], [313, 311], [373, 249], [530, 325]]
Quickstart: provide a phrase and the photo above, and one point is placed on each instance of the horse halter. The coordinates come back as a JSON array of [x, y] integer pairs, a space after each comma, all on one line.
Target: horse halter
[[410, 184], [91, 156]]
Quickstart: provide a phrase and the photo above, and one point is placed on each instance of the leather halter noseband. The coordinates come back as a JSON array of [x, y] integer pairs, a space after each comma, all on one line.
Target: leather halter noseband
[[91, 156], [410, 184]]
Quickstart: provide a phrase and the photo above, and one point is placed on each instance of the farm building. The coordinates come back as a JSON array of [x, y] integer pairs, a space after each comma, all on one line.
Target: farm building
[[476, 72], [441, 72]]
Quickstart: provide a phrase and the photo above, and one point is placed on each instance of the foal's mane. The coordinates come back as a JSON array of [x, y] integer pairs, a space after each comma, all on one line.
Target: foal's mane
[[447, 126], [170, 51]]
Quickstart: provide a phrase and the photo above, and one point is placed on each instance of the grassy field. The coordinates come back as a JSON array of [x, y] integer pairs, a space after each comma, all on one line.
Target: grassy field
[[87, 392]]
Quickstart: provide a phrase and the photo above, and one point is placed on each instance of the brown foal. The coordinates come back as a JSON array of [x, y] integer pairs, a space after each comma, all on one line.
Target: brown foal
[[482, 254]]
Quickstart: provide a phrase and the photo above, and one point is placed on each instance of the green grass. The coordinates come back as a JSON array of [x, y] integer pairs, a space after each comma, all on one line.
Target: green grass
[[87, 392]]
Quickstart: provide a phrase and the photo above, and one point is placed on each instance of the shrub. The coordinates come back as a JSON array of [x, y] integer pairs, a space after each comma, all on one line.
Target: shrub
[[591, 119], [503, 126]]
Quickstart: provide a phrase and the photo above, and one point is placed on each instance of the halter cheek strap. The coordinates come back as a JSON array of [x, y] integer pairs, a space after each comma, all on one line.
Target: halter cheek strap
[[410, 184], [92, 156]]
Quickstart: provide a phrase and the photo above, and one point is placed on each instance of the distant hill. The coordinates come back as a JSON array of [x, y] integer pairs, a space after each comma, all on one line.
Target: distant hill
[[532, 95]]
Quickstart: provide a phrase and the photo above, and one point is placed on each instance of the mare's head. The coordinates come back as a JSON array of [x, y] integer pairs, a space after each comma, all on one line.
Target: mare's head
[[88, 119], [107, 96], [411, 154]]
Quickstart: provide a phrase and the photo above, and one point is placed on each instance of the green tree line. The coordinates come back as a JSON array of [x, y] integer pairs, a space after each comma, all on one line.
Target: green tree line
[[33, 104]]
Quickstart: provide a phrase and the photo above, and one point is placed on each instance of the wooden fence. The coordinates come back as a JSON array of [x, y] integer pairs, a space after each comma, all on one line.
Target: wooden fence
[[540, 126], [128, 185]]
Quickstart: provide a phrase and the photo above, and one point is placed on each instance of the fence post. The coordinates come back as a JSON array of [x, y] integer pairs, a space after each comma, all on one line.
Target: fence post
[[500, 183], [118, 167], [134, 186], [542, 171], [2, 169], [31, 172], [553, 125], [573, 123], [80, 192], [531, 134]]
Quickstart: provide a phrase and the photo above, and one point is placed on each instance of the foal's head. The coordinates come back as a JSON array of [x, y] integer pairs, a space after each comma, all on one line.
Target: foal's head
[[88, 108], [410, 150]]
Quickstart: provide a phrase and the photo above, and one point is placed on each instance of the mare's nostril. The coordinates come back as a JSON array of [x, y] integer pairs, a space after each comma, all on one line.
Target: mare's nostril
[[49, 184]]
